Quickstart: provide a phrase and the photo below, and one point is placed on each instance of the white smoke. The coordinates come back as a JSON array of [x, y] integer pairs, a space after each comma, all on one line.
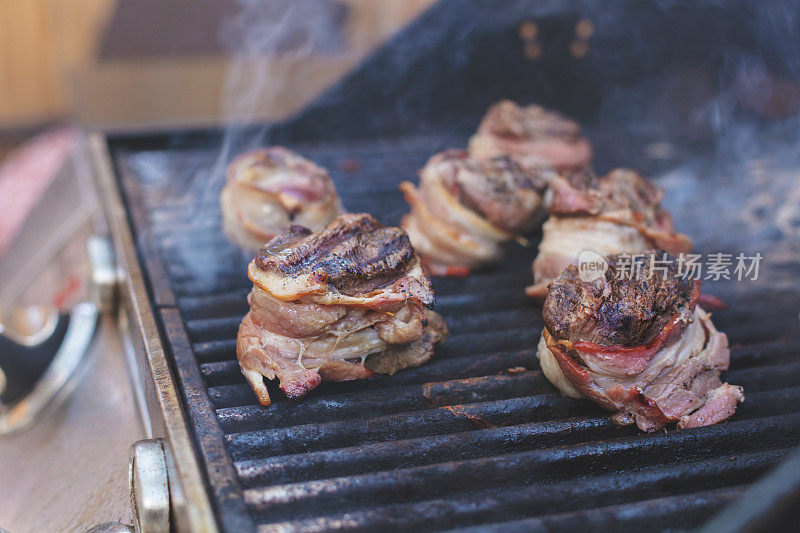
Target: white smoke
[[266, 42]]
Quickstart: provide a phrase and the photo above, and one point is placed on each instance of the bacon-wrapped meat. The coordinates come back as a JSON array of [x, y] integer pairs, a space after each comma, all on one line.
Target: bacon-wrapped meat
[[619, 213], [269, 189], [338, 305], [532, 135], [464, 211], [637, 345]]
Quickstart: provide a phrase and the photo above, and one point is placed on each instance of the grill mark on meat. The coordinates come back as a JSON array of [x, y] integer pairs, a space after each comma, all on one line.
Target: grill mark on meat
[[355, 253], [286, 239], [291, 255]]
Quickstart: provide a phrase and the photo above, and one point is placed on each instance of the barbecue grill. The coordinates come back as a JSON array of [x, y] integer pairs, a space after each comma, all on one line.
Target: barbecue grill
[[476, 438]]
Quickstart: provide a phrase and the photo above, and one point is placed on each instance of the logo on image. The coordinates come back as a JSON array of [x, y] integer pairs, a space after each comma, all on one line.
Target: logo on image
[[591, 266]]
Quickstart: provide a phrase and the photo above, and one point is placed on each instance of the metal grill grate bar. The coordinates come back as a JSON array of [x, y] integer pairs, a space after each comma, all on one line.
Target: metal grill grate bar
[[505, 504], [467, 445], [670, 513], [345, 494]]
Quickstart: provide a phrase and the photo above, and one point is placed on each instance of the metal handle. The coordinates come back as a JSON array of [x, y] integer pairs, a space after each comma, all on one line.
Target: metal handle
[[149, 483], [37, 369], [53, 373], [25, 357]]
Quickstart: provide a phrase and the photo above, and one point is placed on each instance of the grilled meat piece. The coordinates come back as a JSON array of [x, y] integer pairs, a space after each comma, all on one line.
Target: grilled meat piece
[[465, 210], [269, 189], [616, 311], [532, 135], [338, 305], [639, 346], [616, 214], [354, 254]]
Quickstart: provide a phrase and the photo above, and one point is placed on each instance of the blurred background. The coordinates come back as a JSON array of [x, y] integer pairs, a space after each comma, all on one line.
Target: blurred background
[[124, 63], [67, 68], [71, 67]]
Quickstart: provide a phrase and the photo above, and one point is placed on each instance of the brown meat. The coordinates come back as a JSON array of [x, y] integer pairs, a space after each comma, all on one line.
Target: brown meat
[[618, 213], [337, 305], [354, 254], [532, 135], [465, 211], [611, 309], [269, 189], [638, 346], [498, 189]]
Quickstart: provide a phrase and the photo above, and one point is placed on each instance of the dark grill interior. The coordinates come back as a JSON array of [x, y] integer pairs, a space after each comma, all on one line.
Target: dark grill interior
[[478, 437]]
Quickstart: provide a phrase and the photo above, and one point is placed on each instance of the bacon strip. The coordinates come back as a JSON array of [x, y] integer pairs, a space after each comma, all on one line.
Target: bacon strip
[[673, 377], [340, 304], [268, 189], [632, 360]]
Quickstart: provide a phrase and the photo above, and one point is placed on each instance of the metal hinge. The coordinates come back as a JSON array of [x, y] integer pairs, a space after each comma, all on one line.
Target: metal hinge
[[149, 484], [105, 277]]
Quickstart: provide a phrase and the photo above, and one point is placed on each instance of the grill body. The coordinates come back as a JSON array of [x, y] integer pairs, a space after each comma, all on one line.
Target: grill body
[[476, 438]]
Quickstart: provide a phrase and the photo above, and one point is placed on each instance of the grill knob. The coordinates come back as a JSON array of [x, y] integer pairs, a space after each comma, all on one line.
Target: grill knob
[[147, 473]]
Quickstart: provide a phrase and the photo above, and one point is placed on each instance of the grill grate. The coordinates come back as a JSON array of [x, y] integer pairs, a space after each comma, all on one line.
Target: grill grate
[[475, 438]]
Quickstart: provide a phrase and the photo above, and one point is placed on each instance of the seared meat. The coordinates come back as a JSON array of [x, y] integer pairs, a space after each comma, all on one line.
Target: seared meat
[[617, 214], [338, 305], [465, 210], [639, 346], [499, 190], [532, 135], [354, 254], [269, 189], [615, 311]]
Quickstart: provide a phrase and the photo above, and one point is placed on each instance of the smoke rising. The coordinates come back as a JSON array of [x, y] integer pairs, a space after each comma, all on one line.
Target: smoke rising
[[712, 120], [266, 42]]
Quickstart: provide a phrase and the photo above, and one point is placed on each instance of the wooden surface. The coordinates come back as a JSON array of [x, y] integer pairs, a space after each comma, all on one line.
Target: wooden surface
[[153, 92], [49, 68], [69, 472], [41, 42]]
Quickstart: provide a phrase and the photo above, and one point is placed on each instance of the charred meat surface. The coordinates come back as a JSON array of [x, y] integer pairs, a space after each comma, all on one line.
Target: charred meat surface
[[464, 210], [613, 310], [637, 345], [616, 214], [339, 304], [269, 189], [354, 254], [532, 135]]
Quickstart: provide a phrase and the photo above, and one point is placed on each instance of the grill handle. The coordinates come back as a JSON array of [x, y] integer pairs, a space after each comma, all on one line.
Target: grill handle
[[37, 376], [38, 370]]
